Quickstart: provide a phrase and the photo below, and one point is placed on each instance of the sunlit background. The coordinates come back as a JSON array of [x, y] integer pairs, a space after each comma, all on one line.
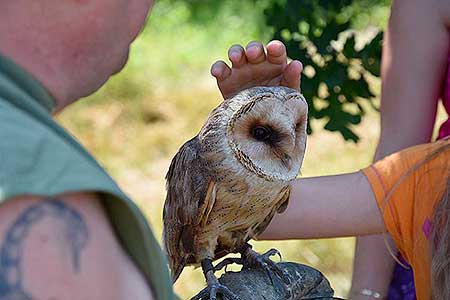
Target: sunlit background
[[138, 120]]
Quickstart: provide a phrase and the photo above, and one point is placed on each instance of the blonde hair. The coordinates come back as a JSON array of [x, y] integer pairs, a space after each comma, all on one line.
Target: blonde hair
[[439, 242], [440, 248]]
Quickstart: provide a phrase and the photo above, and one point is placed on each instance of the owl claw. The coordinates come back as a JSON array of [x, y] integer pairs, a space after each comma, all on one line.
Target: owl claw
[[213, 285], [272, 252], [228, 261], [254, 259], [212, 290]]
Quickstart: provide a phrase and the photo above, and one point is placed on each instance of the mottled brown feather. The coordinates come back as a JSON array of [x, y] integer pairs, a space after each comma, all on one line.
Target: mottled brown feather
[[280, 208], [284, 201], [188, 197]]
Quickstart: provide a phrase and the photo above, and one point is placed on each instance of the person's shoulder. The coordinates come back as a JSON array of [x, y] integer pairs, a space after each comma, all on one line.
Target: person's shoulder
[[53, 245], [416, 159], [418, 154]]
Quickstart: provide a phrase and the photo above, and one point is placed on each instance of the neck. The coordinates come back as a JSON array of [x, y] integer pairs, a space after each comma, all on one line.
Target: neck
[[48, 74], [43, 68]]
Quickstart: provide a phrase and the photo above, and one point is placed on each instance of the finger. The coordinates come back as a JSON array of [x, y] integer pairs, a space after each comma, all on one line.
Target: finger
[[220, 70], [236, 55], [276, 52], [292, 75], [255, 52]]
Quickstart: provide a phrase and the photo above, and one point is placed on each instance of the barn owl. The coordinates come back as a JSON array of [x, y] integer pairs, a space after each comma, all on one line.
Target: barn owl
[[225, 184]]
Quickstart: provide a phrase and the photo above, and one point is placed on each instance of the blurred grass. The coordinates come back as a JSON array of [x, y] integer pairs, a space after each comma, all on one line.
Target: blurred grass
[[136, 122]]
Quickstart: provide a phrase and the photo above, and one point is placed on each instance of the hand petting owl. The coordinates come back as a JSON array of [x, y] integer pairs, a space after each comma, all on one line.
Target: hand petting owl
[[256, 67], [225, 185]]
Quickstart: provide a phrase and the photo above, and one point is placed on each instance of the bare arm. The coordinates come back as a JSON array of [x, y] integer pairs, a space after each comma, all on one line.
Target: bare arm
[[329, 206], [63, 248], [415, 53]]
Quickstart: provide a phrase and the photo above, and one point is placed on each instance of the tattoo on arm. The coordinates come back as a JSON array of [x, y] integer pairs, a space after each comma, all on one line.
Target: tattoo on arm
[[11, 249]]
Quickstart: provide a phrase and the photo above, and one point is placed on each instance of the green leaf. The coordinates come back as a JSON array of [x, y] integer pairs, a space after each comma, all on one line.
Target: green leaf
[[317, 23], [349, 47]]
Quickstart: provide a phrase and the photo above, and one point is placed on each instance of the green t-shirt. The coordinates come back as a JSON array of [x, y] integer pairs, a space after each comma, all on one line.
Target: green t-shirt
[[38, 157]]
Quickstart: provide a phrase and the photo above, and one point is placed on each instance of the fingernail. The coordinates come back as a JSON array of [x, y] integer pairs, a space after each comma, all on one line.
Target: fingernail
[[252, 50], [215, 71], [234, 55], [297, 62]]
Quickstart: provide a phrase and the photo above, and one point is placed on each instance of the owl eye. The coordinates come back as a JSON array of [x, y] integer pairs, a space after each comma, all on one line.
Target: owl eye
[[261, 133]]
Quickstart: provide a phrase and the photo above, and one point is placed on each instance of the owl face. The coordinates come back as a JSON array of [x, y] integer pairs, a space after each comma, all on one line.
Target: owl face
[[268, 133]]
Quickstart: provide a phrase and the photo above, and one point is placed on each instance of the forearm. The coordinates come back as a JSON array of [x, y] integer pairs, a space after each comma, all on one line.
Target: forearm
[[329, 206], [412, 72], [373, 265]]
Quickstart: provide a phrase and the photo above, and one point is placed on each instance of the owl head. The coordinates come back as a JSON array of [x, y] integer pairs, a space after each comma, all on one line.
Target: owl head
[[267, 131]]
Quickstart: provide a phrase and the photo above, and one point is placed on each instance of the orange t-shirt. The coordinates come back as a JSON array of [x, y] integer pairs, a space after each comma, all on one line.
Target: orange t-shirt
[[407, 202]]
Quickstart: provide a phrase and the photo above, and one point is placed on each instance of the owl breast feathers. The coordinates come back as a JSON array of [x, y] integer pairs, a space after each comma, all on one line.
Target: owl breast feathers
[[225, 185]]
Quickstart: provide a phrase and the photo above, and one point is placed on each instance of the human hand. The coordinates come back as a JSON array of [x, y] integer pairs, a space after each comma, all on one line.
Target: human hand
[[256, 66]]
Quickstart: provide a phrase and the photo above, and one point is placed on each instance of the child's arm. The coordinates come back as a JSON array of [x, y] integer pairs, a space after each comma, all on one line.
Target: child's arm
[[329, 206]]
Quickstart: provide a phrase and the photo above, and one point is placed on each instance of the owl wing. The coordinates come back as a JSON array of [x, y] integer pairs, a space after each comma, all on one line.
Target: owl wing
[[190, 191]]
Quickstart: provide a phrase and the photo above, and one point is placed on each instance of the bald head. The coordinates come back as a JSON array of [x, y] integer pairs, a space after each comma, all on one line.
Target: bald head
[[71, 46]]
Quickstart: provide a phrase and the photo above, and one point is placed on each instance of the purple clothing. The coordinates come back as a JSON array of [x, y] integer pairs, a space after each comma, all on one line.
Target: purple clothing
[[402, 284], [445, 127]]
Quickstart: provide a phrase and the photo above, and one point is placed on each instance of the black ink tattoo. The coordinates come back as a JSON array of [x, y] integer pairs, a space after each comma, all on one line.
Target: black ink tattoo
[[11, 250]]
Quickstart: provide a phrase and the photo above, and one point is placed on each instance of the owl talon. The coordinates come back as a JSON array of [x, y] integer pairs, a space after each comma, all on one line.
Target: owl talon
[[272, 252], [228, 261], [214, 286], [263, 261]]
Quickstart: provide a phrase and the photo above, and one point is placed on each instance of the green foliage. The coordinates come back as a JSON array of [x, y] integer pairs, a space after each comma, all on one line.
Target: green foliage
[[337, 72]]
